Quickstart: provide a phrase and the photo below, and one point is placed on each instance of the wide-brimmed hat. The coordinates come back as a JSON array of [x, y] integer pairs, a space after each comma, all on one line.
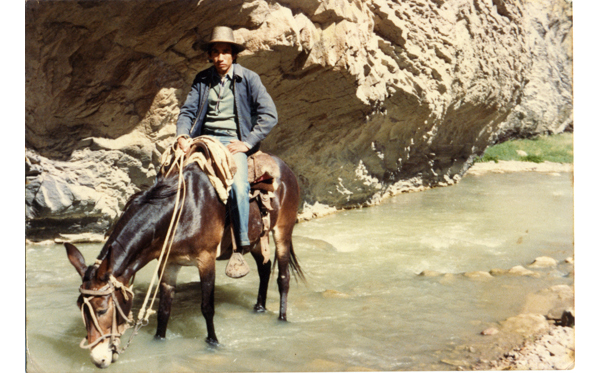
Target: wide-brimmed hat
[[222, 34]]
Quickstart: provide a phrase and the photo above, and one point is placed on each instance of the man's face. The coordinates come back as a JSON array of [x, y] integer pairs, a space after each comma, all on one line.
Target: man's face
[[221, 55]]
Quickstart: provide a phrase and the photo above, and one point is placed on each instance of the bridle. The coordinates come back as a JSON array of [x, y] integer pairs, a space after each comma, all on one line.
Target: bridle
[[110, 288]]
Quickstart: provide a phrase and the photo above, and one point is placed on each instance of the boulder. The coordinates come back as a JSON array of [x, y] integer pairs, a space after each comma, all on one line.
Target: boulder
[[568, 318], [84, 195], [551, 302], [490, 331], [543, 262], [526, 324], [429, 273], [522, 271], [498, 271], [478, 275]]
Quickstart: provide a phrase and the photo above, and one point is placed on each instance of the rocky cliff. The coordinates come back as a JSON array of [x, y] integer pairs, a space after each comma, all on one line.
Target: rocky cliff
[[374, 97]]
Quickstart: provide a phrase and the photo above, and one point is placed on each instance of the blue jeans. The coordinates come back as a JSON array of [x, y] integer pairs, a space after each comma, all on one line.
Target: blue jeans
[[239, 195]]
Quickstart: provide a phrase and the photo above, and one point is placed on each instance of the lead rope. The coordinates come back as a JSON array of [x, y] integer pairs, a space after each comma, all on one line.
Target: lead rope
[[143, 319]]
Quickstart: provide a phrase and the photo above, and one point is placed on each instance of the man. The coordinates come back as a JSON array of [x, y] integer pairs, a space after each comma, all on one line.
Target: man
[[229, 102]]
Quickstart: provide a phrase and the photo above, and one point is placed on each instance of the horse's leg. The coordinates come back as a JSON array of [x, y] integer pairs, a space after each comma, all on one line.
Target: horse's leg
[[167, 292], [264, 272], [206, 267], [283, 243]]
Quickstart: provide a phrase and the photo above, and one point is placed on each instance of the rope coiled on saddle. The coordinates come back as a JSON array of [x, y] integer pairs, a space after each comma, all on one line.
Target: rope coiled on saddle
[[212, 157]]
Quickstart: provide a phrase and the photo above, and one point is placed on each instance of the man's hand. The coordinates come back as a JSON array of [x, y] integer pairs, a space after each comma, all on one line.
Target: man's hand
[[236, 146], [184, 143]]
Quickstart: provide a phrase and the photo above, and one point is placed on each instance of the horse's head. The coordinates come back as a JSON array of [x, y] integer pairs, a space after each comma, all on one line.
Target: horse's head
[[105, 305]]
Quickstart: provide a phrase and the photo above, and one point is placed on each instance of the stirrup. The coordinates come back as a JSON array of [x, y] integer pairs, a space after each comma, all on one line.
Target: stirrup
[[237, 266]]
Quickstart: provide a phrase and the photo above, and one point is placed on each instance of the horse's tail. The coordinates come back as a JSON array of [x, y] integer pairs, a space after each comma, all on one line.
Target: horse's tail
[[289, 194], [294, 263], [296, 270]]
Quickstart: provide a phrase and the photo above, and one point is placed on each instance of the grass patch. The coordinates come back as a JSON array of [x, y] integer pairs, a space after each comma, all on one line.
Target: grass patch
[[555, 148]]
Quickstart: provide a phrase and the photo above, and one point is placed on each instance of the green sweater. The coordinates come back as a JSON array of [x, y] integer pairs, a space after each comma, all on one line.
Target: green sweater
[[221, 104]]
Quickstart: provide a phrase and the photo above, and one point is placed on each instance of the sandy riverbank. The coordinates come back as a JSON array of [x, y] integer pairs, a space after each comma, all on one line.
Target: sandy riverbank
[[517, 166]]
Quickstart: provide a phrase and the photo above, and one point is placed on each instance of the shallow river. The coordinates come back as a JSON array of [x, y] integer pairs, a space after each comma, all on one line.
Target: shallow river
[[364, 306]]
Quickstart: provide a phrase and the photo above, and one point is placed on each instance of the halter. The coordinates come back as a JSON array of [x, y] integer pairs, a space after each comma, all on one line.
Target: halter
[[109, 289]]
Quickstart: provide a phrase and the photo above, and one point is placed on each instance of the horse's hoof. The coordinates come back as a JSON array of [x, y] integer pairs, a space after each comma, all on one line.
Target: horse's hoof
[[158, 338], [212, 341], [282, 318], [259, 308]]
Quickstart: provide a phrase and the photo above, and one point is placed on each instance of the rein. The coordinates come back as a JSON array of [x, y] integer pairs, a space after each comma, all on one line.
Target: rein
[[114, 285]]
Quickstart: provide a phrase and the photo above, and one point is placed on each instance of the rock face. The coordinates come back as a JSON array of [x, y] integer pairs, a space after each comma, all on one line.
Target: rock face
[[374, 97], [547, 102]]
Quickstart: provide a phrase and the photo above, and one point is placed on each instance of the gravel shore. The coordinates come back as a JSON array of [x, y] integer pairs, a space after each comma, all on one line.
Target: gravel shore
[[554, 350]]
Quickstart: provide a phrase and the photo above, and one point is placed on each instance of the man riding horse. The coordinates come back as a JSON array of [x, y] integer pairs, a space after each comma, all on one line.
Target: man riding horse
[[230, 103]]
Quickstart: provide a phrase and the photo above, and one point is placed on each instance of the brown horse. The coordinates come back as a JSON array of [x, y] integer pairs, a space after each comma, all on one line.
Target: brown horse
[[137, 238]]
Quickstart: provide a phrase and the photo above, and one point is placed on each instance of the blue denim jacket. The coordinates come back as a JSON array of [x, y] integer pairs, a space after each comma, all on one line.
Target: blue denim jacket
[[255, 109]]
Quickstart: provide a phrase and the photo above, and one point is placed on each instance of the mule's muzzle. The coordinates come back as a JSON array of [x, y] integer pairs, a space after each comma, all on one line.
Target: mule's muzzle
[[102, 355]]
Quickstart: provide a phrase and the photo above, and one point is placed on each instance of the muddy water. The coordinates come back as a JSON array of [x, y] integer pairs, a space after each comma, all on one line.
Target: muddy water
[[363, 308]]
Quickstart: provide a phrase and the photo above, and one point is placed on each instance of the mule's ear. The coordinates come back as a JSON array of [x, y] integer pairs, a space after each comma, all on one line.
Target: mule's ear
[[105, 269], [76, 259]]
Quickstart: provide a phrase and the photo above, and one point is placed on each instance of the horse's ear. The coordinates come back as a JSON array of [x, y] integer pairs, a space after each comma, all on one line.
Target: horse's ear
[[76, 259], [105, 269]]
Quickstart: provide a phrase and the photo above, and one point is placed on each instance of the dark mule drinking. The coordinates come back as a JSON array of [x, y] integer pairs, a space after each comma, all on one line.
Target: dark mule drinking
[[137, 238]]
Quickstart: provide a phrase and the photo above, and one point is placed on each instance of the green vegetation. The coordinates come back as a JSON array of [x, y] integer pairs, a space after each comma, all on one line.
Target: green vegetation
[[555, 148]]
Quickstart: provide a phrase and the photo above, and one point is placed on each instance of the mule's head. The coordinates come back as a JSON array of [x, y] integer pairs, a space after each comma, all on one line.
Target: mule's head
[[105, 305]]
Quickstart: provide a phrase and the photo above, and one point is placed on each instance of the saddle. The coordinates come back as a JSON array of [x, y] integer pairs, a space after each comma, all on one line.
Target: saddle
[[263, 172], [217, 163]]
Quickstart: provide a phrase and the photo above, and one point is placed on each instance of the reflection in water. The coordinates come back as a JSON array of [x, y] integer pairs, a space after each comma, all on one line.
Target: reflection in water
[[364, 306]]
